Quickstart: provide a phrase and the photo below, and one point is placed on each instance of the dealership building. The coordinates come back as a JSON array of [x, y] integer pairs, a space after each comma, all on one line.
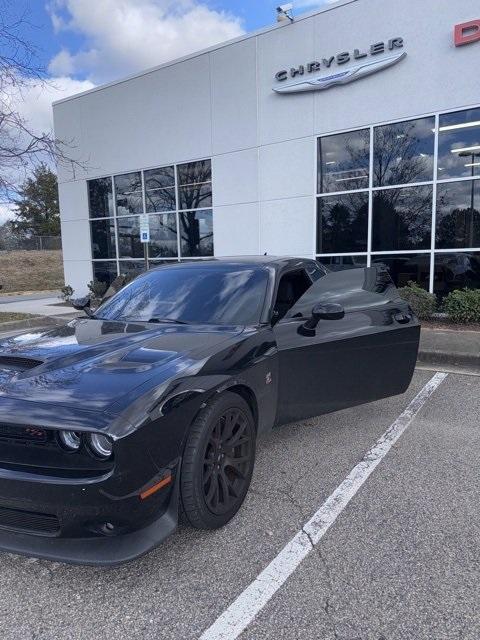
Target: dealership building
[[351, 134]]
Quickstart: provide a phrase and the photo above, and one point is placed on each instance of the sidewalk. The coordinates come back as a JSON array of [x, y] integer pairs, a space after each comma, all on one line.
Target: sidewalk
[[47, 309], [454, 348]]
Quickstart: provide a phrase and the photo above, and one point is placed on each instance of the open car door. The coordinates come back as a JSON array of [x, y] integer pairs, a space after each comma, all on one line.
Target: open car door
[[366, 353]]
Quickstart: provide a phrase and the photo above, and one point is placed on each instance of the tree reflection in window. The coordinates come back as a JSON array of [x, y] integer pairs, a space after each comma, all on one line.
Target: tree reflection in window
[[160, 190], [404, 152], [196, 228], [458, 215], [195, 185], [402, 219], [100, 198], [344, 161], [128, 193], [342, 223]]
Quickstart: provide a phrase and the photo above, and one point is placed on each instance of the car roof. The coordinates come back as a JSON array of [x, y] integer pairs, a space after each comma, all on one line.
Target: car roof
[[276, 262]]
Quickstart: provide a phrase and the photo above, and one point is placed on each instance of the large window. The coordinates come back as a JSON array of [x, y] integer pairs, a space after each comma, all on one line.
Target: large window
[[178, 201], [404, 194]]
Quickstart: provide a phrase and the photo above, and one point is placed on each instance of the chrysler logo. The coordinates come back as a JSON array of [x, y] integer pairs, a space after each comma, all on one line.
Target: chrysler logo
[[366, 67]]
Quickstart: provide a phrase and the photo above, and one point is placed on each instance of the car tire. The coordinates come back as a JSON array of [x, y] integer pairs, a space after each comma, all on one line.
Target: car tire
[[218, 462]]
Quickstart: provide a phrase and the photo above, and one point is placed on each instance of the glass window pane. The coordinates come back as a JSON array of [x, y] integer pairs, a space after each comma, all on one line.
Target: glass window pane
[[129, 245], [195, 196], [128, 193], [105, 272], [410, 266], [163, 236], [160, 189], [344, 161], [340, 263], [196, 228], [194, 172], [342, 223], [100, 198], [103, 238], [132, 269], [459, 144], [458, 215], [456, 271], [403, 152], [402, 219]]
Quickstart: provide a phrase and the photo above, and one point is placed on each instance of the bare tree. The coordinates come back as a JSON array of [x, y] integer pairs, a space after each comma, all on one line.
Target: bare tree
[[21, 148]]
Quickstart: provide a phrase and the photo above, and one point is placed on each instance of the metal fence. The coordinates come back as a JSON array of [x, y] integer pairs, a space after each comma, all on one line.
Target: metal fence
[[34, 243]]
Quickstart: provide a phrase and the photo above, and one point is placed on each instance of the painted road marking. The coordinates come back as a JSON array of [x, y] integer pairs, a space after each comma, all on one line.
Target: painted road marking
[[249, 603]]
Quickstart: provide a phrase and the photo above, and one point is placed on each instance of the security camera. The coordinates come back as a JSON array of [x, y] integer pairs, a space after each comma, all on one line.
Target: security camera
[[284, 12], [285, 8]]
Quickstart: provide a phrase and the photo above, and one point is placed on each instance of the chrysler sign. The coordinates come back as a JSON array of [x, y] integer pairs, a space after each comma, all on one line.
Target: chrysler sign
[[306, 78]]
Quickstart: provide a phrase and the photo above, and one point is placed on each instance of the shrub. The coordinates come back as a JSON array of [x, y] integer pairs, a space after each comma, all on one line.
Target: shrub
[[463, 306], [67, 292], [423, 303], [98, 288]]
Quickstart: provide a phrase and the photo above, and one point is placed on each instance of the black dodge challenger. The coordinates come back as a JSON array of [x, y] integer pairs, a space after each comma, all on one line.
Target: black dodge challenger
[[151, 405]]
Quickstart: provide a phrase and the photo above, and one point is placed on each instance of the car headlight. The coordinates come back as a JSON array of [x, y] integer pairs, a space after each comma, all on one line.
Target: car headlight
[[100, 445], [70, 440]]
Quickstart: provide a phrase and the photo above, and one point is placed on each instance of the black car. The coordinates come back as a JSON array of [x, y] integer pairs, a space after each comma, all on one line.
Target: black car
[[112, 424]]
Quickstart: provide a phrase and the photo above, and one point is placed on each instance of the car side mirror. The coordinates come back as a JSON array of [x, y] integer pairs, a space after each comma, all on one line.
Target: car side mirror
[[82, 304], [328, 311]]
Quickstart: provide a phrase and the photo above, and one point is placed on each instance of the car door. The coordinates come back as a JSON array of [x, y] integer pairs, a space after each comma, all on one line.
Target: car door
[[369, 353]]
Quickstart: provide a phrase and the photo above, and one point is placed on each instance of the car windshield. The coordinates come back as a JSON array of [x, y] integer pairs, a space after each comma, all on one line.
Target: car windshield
[[217, 294]]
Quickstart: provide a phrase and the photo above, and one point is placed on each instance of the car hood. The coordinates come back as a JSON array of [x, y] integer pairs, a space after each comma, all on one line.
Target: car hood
[[91, 363]]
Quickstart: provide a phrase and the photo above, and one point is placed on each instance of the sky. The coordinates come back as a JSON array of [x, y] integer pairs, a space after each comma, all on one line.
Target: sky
[[84, 43]]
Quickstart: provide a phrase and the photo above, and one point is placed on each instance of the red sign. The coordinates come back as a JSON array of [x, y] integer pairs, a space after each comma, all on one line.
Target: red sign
[[467, 32]]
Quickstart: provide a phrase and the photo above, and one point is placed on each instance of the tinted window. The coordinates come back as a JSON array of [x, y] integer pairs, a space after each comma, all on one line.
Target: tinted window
[[410, 266], [402, 219], [130, 268], [459, 144], [403, 152], [211, 294], [195, 185], [340, 263], [344, 161], [128, 193], [100, 198], [163, 236], [105, 271], [456, 271], [342, 223], [458, 215], [196, 228], [160, 189], [129, 245], [103, 238]]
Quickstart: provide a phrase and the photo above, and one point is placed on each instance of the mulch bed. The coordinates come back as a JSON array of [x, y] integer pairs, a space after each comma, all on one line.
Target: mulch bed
[[446, 325]]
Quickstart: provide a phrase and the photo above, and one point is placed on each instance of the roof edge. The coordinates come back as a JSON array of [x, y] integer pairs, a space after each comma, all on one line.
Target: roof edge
[[215, 47]]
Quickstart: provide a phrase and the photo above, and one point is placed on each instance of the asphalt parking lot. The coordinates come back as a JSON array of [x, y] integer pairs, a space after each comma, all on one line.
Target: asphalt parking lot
[[401, 561]]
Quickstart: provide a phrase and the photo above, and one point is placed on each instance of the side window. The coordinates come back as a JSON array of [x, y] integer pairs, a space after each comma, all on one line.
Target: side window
[[291, 288], [316, 271]]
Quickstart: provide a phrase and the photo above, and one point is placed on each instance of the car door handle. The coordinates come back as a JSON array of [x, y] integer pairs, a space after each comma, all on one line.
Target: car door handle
[[402, 318]]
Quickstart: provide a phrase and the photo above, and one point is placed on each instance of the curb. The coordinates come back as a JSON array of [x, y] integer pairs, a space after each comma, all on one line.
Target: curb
[[444, 358]]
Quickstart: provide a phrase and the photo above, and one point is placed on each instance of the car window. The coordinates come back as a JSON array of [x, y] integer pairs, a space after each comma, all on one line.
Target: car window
[[219, 294], [291, 287]]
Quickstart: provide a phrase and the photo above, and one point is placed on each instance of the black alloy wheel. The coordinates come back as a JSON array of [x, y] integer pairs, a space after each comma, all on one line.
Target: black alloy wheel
[[218, 462]]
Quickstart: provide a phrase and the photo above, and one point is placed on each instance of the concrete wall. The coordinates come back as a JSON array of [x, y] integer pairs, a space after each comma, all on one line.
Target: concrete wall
[[220, 104]]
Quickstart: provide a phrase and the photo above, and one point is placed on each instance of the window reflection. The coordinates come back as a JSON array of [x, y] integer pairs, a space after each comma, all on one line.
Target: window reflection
[[128, 193], [459, 144], [456, 271], [402, 219], [105, 272], [196, 228], [103, 238], [163, 236], [100, 198], [195, 185], [410, 266], [344, 161], [403, 152], [342, 223], [340, 263], [129, 245], [160, 189], [458, 215], [132, 269]]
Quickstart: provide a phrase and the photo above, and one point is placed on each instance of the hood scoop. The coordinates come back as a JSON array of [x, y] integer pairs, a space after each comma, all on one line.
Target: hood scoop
[[14, 363]]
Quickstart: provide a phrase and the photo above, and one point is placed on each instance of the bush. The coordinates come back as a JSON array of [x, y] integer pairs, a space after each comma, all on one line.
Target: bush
[[98, 288], [423, 303], [67, 292], [463, 306]]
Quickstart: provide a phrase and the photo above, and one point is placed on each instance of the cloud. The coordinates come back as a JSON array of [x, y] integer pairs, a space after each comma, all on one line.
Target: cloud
[[6, 213], [126, 36]]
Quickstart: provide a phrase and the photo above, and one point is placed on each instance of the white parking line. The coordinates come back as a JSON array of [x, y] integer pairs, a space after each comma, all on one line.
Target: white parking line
[[251, 601]]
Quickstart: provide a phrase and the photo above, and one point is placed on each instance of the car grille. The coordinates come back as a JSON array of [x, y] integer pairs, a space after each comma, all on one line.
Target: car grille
[[28, 521], [24, 434], [19, 364]]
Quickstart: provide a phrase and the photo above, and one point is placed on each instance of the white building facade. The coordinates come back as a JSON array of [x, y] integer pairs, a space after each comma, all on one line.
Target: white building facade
[[351, 135]]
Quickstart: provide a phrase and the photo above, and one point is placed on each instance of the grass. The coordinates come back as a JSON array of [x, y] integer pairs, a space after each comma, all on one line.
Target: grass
[[30, 271], [11, 317]]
